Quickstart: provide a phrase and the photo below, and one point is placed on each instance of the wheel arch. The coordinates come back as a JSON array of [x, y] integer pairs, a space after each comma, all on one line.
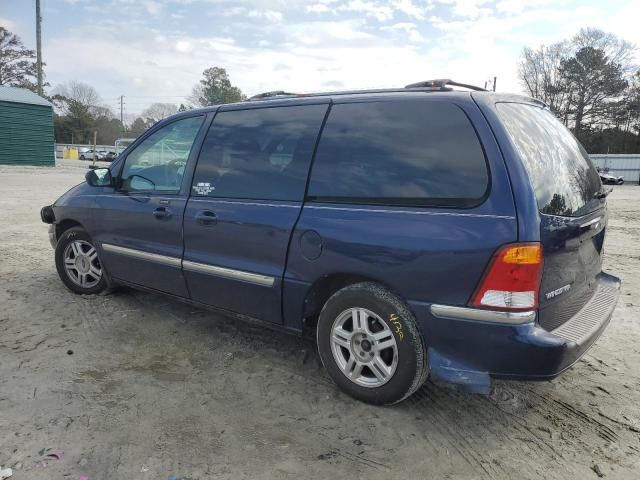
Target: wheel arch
[[65, 225], [324, 287]]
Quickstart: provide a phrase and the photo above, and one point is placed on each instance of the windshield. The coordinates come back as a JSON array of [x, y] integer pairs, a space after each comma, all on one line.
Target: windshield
[[563, 178]]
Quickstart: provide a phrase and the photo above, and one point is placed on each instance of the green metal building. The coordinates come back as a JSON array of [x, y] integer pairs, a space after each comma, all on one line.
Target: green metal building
[[26, 128]]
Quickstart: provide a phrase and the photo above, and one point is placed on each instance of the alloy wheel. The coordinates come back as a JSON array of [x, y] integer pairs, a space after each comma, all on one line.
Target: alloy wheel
[[364, 347], [82, 264]]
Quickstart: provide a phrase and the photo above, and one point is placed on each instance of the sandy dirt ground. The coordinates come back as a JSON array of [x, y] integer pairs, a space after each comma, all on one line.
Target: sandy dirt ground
[[136, 386]]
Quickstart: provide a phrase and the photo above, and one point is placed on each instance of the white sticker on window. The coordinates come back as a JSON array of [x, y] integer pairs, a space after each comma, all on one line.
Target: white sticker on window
[[203, 188]]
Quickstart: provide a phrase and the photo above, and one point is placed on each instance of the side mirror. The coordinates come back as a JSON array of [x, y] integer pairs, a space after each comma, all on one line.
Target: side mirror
[[100, 177]]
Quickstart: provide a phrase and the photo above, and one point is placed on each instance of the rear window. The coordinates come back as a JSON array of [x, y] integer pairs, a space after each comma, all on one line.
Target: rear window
[[399, 153], [561, 173]]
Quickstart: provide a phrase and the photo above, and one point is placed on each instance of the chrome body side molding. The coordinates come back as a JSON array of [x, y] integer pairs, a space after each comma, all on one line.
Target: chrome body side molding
[[142, 255], [255, 278], [232, 274]]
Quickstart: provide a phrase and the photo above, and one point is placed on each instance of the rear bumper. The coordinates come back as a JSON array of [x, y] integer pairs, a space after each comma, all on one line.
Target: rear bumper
[[470, 352]]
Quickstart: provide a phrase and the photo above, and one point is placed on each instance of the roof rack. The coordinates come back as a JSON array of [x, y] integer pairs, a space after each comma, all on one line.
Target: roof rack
[[271, 94], [442, 84], [438, 85]]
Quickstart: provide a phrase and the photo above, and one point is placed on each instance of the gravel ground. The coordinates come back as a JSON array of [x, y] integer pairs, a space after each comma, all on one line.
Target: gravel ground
[[136, 386]]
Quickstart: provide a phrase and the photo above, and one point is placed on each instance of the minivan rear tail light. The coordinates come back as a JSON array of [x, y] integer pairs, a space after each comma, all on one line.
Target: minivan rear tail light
[[512, 280]]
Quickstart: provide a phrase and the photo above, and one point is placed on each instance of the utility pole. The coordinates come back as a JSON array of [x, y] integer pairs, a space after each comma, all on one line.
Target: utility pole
[[122, 110], [39, 46], [95, 134], [494, 83]]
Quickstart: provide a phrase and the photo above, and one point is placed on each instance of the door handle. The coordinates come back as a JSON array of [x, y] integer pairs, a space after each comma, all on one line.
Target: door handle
[[162, 212], [206, 217]]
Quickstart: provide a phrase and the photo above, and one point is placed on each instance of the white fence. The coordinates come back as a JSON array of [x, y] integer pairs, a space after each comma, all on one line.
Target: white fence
[[625, 165]]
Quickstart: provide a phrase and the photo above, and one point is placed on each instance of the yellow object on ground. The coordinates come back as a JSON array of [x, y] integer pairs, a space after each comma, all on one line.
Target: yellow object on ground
[[70, 153]]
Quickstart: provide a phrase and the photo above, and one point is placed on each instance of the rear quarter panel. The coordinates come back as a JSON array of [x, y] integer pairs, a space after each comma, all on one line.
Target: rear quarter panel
[[524, 196]]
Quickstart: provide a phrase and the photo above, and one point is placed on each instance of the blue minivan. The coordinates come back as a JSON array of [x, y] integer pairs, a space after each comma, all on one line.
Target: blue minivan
[[433, 230]]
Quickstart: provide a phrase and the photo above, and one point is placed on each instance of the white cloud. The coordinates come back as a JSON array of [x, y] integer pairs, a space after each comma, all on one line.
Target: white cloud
[[318, 8], [409, 8], [518, 6], [153, 7], [380, 11], [469, 8], [384, 11], [6, 23], [229, 12], [270, 15], [276, 44], [326, 33], [183, 46], [410, 29]]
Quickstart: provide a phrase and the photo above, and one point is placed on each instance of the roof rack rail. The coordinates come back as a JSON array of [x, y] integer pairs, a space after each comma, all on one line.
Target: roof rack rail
[[271, 94], [443, 84]]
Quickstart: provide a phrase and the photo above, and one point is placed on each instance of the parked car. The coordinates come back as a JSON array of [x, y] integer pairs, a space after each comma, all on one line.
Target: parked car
[[407, 228], [110, 156], [87, 154], [608, 179]]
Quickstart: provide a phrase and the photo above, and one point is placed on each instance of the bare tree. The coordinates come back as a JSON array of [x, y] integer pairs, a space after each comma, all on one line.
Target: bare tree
[[540, 74], [76, 95], [616, 49], [631, 115], [17, 63], [157, 111], [78, 105], [582, 80]]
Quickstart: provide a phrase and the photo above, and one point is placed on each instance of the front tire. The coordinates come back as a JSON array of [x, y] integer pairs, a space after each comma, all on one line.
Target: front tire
[[78, 263], [370, 345]]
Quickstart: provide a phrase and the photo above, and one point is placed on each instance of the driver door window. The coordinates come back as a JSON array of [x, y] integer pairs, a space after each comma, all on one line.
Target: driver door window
[[158, 163]]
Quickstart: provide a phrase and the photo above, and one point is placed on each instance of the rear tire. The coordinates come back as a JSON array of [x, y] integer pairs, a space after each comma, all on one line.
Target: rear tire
[[78, 263], [370, 345]]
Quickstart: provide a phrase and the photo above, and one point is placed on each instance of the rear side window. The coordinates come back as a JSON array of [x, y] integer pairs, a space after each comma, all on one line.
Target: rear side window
[[259, 153], [561, 173], [399, 153]]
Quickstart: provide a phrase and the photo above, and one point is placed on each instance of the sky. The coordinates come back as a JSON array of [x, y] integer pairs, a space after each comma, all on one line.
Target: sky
[[155, 50]]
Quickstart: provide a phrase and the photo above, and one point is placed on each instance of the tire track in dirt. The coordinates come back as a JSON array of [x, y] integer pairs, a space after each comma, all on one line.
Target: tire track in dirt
[[356, 458], [568, 414], [582, 432], [429, 406], [527, 433], [94, 320], [490, 424], [487, 415]]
